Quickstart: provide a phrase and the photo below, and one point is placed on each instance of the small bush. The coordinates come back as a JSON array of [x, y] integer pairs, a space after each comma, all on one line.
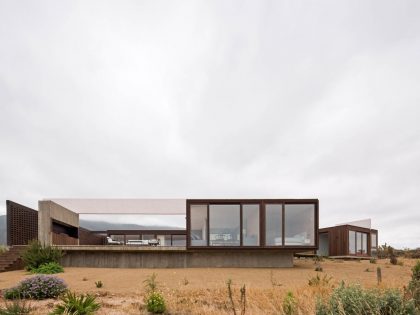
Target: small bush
[[15, 308], [372, 260], [99, 284], [48, 268], [3, 249], [38, 288], [414, 284], [353, 300], [12, 293], [36, 255], [289, 304], [319, 268], [393, 260], [155, 303], [71, 304]]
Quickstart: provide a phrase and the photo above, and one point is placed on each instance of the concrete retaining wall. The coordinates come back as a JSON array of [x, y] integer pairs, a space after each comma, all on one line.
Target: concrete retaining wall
[[176, 259]]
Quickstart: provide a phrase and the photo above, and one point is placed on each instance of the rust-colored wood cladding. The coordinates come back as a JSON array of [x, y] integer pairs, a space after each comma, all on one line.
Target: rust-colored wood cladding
[[87, 237], [63, 239], [22, 224], [262, 203], [338, 239]]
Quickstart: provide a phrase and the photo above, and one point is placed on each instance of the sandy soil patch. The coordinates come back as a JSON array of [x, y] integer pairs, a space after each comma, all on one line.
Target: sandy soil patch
[[203, 290]]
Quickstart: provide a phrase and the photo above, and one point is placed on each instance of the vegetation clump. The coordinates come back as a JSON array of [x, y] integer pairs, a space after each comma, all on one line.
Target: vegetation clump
[[99, 284], [154, 300], [37, 255], [414, 284], [72, 304], [15, 308], [354, 300], [39, 288], [3, 249], [289, 304], [155, 303], [48, 269]]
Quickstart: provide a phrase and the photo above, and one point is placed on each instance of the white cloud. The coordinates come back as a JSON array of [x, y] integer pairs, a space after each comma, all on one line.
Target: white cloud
[[215, 99]]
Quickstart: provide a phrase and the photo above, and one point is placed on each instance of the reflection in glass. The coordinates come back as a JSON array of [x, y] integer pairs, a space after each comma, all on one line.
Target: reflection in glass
[[373, 240], [364, 243], [352, 242], [251, 225], [299, 225], [224, 225], [273, 224], [198, 225], [179, 240], [358, 242]]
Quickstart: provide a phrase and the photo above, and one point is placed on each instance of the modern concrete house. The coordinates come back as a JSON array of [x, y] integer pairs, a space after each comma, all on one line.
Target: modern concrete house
[[219, 232], [349, 240]]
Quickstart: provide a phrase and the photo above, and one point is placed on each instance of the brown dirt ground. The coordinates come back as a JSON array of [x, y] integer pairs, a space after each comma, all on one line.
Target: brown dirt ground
[[203, 290]]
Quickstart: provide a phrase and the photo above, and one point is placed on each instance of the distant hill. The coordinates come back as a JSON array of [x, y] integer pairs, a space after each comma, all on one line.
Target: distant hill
[[94, 226], [3, 231], [103, 225]]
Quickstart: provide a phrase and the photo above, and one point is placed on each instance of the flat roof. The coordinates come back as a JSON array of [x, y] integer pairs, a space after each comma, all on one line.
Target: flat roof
[[124, 206]]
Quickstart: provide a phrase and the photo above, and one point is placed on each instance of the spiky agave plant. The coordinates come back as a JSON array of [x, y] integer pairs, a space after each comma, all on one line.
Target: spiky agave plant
[[73, 304]]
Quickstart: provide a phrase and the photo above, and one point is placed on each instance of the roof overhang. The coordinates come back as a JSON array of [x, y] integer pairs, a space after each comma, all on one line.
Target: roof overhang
[[124, 206]]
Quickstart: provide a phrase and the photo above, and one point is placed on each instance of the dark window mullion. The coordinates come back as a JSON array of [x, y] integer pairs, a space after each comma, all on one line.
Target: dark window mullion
[[240, 225], [282, 224], [208, 224]]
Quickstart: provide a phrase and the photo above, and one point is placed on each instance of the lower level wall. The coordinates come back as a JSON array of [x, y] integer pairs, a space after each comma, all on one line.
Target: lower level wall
[[162, 259]]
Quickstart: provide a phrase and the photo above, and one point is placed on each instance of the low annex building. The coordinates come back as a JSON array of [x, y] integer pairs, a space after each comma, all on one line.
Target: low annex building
[[219, 232], [354, 239]]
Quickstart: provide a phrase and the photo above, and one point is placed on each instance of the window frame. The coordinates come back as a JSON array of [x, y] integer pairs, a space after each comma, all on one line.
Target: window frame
[[262, 228]]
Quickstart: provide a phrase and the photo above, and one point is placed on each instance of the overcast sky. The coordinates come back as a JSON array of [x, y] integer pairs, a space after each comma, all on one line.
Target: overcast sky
[[197, 99]]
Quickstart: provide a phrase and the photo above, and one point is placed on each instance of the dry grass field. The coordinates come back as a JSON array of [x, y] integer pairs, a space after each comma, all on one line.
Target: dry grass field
[[203, 290]]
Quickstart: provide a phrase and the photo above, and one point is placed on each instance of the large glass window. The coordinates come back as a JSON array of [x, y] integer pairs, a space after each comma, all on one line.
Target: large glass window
[[373, 244], [251, 225], [364, 243], [273, 224], [224, 225], [373, 240], [358, 242], [352, 242], [299, 227], [198, 225]]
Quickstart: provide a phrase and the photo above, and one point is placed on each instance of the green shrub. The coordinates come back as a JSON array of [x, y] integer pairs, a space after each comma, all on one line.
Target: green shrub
[[372, 260], [71, 304], [155, 303], [414, 284], [15, 308], [353, 300], [38, 288], [99, 284], [3, 249], [12, 293], [289, 304], [36, 255], [48, 268]]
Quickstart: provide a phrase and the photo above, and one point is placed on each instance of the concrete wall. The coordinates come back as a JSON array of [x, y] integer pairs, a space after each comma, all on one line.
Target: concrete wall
[[49, 210], [176, 259]]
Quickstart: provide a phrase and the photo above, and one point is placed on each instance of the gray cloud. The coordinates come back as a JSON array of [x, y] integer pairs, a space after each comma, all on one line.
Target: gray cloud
[[215, 99]]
